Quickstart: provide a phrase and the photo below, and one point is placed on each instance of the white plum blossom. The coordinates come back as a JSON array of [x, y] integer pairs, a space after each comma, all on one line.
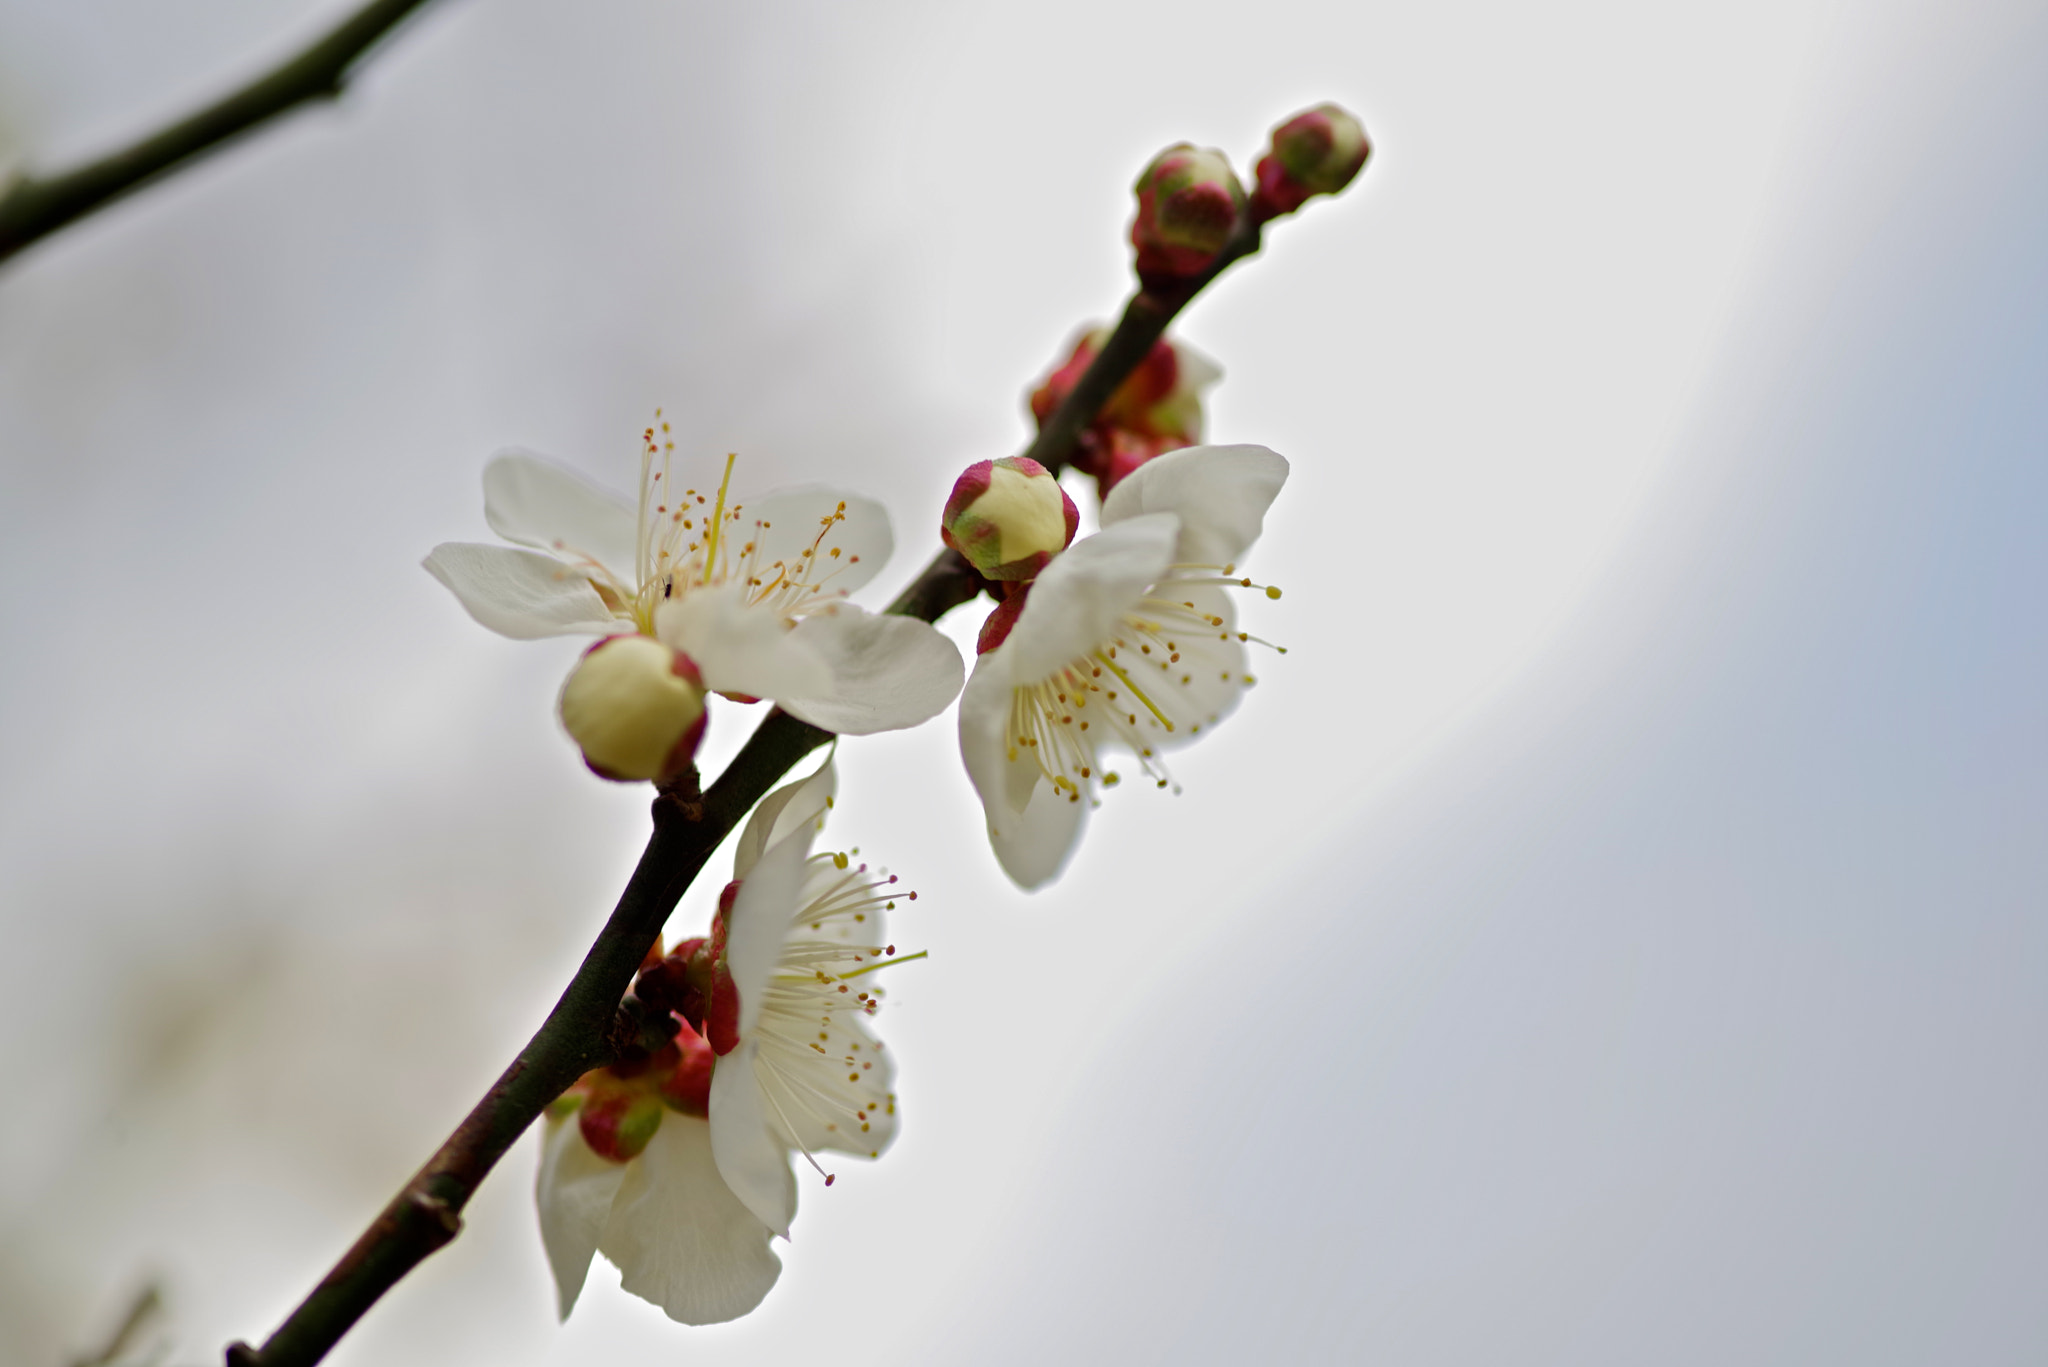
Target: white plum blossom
[[664, 1217], [799, 1069], [785, 1064], [1126, 641], [754, 594]]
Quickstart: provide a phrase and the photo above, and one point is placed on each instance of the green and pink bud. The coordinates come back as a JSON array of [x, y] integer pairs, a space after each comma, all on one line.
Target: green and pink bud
[[635, 708], [1317, 152], [1009, 518], [1189, 200], [618, 1116]]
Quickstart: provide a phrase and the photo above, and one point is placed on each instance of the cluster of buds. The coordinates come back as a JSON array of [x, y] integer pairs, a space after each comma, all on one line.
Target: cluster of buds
[[1191, 203], [1158, 409], [668, 1067]]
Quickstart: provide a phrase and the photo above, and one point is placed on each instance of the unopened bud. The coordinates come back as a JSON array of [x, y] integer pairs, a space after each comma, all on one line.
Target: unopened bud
[[635, 707], [1009, 517], [1188, 204], [1317, 152], [1053, 390], [618, 1118]]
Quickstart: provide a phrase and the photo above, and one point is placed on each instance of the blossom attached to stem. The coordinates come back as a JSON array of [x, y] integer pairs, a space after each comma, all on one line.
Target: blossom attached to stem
[[675, 1161], [754, 594], [1126, 642]]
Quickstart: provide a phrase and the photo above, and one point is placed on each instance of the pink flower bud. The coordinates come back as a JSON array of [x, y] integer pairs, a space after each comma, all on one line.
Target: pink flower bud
[[1009, 517], [1317, 152], [635, 707], [1188, 205]]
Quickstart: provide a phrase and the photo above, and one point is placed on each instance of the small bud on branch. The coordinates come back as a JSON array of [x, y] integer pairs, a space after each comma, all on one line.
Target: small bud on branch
[[1317, 152], [635, 708], [1009, 517], [1188, 204]]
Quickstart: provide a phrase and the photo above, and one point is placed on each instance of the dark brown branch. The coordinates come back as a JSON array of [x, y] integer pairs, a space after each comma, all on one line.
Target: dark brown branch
[[1144, 322], [33, 207], [576, 1035]]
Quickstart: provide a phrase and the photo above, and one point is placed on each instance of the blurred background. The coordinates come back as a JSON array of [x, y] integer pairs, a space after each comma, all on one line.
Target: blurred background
[[1614, 933]]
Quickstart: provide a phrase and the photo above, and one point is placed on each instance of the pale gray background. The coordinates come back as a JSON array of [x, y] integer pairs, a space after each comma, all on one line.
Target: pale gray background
[[1614, 933]]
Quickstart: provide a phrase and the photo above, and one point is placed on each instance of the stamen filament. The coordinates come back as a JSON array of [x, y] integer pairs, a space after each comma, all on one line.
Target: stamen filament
[[1138, 692], [718, 517], [886, 963]]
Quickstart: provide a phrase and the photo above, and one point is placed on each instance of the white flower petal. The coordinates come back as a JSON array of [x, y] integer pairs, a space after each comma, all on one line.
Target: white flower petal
[[1207, 682], [574, 1193], [1078, 603], [888, 673], [680, 1237], [518, 593], [749, 1158], [825, 1104], [760, 920], [984, 747], [1220, 494], [1032, 826], [740, 648], [531, 500], [1195, 371], [1034, 846], [782, 813], [794, 517]]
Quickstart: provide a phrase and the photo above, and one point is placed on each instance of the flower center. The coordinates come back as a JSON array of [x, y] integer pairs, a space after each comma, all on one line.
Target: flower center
[[689, 539], [823, 1076], [1174, 666]]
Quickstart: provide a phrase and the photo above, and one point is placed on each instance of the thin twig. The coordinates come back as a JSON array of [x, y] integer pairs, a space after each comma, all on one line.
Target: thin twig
[[575, 1037], [33, 206], [147, 1306]]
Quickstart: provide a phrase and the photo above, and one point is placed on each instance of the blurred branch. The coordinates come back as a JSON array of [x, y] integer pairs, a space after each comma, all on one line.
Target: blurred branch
[[148, 1303], [33, 207], [577, 1035]]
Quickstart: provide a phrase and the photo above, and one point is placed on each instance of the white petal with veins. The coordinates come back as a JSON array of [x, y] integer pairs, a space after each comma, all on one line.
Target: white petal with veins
[[750, 1159], [532, 501], [887, 672], [761, 918], [520, 594], [1220, 494], [574, 1193], [679, 1235], [861, 537], [787, 810], [740, 647], [1081, 598]]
